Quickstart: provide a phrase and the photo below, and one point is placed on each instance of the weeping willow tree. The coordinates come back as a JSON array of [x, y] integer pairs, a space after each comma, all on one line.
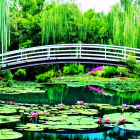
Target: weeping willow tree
[[4, 25], [124, 24], [63, 23]]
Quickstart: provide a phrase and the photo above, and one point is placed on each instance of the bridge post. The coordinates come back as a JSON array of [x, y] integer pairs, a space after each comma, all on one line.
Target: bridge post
[[125, 52], [80, 50], [49, 52], [21, 53], [105, 52]]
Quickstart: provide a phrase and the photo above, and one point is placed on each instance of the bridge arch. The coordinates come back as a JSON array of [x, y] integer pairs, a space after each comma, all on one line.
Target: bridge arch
[[67, 53]]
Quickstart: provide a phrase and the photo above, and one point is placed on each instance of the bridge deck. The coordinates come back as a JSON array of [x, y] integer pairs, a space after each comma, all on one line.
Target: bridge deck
[[67, 53]]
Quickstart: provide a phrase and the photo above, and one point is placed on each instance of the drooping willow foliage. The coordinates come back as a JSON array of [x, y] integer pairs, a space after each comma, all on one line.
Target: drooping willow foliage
[[63, 22], [4, 25], [124, 24]]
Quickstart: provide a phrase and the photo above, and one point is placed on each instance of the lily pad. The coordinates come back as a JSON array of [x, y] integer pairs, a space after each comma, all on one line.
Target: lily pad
[[9, 134]]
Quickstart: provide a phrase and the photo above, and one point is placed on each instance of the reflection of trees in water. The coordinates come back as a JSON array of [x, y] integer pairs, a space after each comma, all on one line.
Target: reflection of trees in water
[[56, 92], [60, 93], [46, 136], [131, 96], [122, 134], [114, 134]]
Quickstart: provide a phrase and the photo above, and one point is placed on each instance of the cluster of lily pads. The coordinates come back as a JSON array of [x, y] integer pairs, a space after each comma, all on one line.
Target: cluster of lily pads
[[81, 116], [65, 117]]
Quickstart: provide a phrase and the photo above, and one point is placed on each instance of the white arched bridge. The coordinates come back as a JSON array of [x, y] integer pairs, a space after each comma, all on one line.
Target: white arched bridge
[[67, 53]]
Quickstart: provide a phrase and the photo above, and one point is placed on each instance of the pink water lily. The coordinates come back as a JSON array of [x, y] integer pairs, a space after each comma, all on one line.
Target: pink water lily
[[124, 106], [33, 114], [7, 102], [107, 119], [80, 103], [61, 104], [100, 119], [121, 120], [19, 104], [137, 106]]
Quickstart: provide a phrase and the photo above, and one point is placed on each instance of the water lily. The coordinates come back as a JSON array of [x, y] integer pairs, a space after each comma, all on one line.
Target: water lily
[[121, 120], [19, 104], [33, 114], [61, 104], [100, 119], [7, 102], [107, 119], [125, 106], [137, 106], [80, 103]]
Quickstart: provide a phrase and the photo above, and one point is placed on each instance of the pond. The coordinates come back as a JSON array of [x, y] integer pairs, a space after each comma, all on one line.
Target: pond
[[55, 94]]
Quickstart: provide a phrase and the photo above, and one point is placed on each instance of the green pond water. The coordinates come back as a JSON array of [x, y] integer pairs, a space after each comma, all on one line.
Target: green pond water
[[59, 93]]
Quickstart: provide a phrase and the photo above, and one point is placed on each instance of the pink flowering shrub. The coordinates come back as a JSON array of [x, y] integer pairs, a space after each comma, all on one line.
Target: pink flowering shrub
[[96, 69]]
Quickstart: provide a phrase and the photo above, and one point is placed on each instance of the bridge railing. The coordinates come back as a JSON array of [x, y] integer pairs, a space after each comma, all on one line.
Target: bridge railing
[[67, 51]]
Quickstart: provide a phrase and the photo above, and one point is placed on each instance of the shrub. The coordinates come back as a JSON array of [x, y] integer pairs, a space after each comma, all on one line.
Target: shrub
[[45, 76], [95, 73], [130, 75], [96, 69], [80, 68], [73, 69], [137, 69], [7, 75], [122, 71], [109, 71], [9, 83], [20, 74], [66, 70], [131, 63]]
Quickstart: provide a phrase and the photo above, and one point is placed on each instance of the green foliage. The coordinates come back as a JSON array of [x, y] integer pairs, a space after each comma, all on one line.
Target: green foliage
[[95, 73], [130, 75], [131, 63], [45, 76], [137, 68], [7, 75], [109, 71], [42, 22], [122, 71], [20, 74], [109, 42], [73, 69], [9, 83], [66, 70], [26, 44]]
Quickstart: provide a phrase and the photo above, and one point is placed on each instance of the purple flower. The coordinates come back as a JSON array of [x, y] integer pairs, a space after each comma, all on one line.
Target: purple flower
[[100, 119], [96, 69]]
